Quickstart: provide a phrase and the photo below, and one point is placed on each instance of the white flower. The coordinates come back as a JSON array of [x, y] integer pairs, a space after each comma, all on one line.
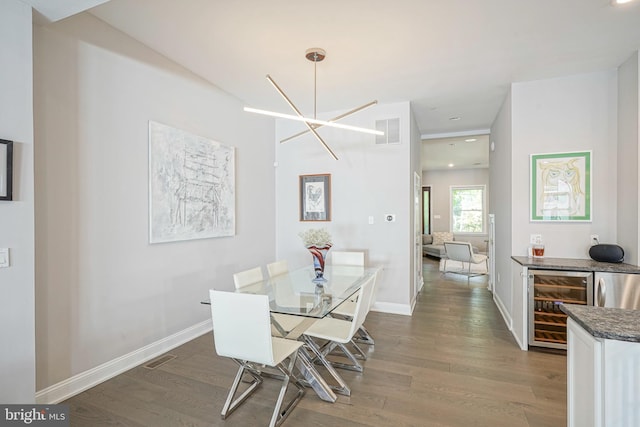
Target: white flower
[[315, 237]]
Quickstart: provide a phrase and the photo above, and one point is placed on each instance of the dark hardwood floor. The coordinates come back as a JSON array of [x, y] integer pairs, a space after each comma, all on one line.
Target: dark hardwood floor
[[453, 363]]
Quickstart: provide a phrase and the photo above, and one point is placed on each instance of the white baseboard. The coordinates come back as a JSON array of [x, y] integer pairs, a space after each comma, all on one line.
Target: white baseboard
[[508, 320], [85, 380], [503, 311], [392, 308]]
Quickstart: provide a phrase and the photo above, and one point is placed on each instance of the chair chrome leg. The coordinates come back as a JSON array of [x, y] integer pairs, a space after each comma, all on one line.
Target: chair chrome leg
[[354, 366], [230, 404], [364, 336], [359, 353], [342, 387], [312, 377], [279, 413]]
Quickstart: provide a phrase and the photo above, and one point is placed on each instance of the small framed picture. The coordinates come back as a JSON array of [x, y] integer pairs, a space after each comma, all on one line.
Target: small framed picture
[[315, 197], [6, 169]]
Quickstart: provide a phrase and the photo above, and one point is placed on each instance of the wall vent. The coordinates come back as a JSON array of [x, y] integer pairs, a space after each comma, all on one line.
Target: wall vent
[[391, 129]]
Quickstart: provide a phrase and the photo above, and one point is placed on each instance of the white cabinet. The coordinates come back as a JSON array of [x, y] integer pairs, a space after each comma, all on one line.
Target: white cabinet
[[519, 304], [603, 380], [584, 374]]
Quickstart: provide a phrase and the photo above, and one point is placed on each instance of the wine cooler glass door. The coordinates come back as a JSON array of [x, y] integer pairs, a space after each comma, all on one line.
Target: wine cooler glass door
[[548, 290]]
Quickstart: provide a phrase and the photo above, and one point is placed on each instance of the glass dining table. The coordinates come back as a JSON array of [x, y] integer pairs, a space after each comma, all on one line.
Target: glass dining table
[[299, 293]]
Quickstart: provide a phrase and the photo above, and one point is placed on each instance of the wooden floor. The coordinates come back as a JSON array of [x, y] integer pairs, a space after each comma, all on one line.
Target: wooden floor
[[453, 363]]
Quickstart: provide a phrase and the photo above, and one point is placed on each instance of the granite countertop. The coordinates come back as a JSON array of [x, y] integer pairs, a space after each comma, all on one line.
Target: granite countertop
[[575, 264], [608, 323]]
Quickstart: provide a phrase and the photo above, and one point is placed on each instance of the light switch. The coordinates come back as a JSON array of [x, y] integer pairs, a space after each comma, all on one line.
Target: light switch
[[4, 257]]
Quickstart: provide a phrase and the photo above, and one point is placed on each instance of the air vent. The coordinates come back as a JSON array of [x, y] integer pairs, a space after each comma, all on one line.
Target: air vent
[[159, 361], [391, 129]]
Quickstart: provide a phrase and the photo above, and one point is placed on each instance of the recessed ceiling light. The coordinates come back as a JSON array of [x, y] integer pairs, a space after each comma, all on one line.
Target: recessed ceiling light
[[454, 118], [614, 2], [470, 140], [450, 165]]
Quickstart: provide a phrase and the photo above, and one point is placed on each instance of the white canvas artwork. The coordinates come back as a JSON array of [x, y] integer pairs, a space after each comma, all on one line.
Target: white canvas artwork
[[191, 186]]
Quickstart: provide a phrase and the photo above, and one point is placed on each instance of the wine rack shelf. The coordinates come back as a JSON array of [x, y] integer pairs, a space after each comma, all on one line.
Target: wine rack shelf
[[548, 291]]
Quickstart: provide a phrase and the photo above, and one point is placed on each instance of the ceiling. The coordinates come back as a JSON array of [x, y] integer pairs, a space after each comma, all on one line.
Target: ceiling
[[450, 59], [460, 152]]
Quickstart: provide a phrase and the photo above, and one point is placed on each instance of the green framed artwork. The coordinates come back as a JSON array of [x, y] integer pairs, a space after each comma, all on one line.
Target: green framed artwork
[[561, 186]]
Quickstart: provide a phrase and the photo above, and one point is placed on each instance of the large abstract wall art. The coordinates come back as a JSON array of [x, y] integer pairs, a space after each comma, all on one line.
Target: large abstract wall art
[[191, 186]]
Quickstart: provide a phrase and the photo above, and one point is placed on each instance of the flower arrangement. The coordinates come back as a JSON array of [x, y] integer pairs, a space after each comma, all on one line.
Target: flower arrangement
[[316, 237]]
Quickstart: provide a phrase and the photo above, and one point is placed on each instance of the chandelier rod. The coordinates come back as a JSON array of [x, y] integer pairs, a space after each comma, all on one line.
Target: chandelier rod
[[294, 108], [315, 84], [335, 119]]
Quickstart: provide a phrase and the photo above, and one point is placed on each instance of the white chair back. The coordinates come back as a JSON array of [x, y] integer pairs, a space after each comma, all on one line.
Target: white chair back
[[277, 268], [362, 305], [247, 277], [347, 258], [459, 251], [242, 326]]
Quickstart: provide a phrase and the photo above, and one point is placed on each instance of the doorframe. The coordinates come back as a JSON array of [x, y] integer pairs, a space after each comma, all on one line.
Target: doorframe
[[418, 279]]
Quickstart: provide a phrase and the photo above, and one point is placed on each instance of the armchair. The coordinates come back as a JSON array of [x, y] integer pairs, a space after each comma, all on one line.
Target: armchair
[[460, 259]]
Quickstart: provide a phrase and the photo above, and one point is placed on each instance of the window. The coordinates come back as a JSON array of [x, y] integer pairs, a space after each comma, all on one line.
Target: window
[[467, 209]]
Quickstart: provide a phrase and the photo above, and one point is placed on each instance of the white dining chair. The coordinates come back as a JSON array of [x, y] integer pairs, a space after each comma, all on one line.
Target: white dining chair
[[338, 332], [277, 268], [347, 308], [285, 322], [247, 277], [242, 332], [347, 258]]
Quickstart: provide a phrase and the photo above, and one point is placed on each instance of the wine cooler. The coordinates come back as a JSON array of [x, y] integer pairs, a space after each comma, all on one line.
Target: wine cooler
[[548, 290]]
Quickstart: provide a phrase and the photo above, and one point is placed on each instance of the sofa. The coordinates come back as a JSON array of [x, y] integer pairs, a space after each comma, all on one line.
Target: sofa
[[433, 244]]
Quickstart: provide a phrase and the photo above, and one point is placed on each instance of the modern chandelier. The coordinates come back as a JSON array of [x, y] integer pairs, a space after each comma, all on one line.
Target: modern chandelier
[[314, 55]]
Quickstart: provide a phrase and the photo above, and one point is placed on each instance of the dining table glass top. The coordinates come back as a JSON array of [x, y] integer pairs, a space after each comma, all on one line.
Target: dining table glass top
[[297, 293]]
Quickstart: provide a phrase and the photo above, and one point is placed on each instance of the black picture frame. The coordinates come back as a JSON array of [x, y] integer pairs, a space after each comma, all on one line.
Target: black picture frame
[[6, 169], [315, 197]]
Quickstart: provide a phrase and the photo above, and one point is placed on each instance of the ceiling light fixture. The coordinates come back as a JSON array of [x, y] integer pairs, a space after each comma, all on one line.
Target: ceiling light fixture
[[621, 1], [314, 55], [454, 118], [470, 140]]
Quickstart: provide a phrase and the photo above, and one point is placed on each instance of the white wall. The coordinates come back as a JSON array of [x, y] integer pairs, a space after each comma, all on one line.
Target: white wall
[[628, 206], [367, 180], [441, 182], [500, 181], [567, 114], [103, 292], [17, 334]]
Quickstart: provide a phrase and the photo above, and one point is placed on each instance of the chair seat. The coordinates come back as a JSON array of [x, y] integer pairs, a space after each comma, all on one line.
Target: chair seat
[[331, 329], [478, 258], [282, 348]]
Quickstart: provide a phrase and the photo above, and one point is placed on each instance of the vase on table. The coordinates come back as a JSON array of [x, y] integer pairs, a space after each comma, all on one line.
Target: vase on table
[[319, 253]]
